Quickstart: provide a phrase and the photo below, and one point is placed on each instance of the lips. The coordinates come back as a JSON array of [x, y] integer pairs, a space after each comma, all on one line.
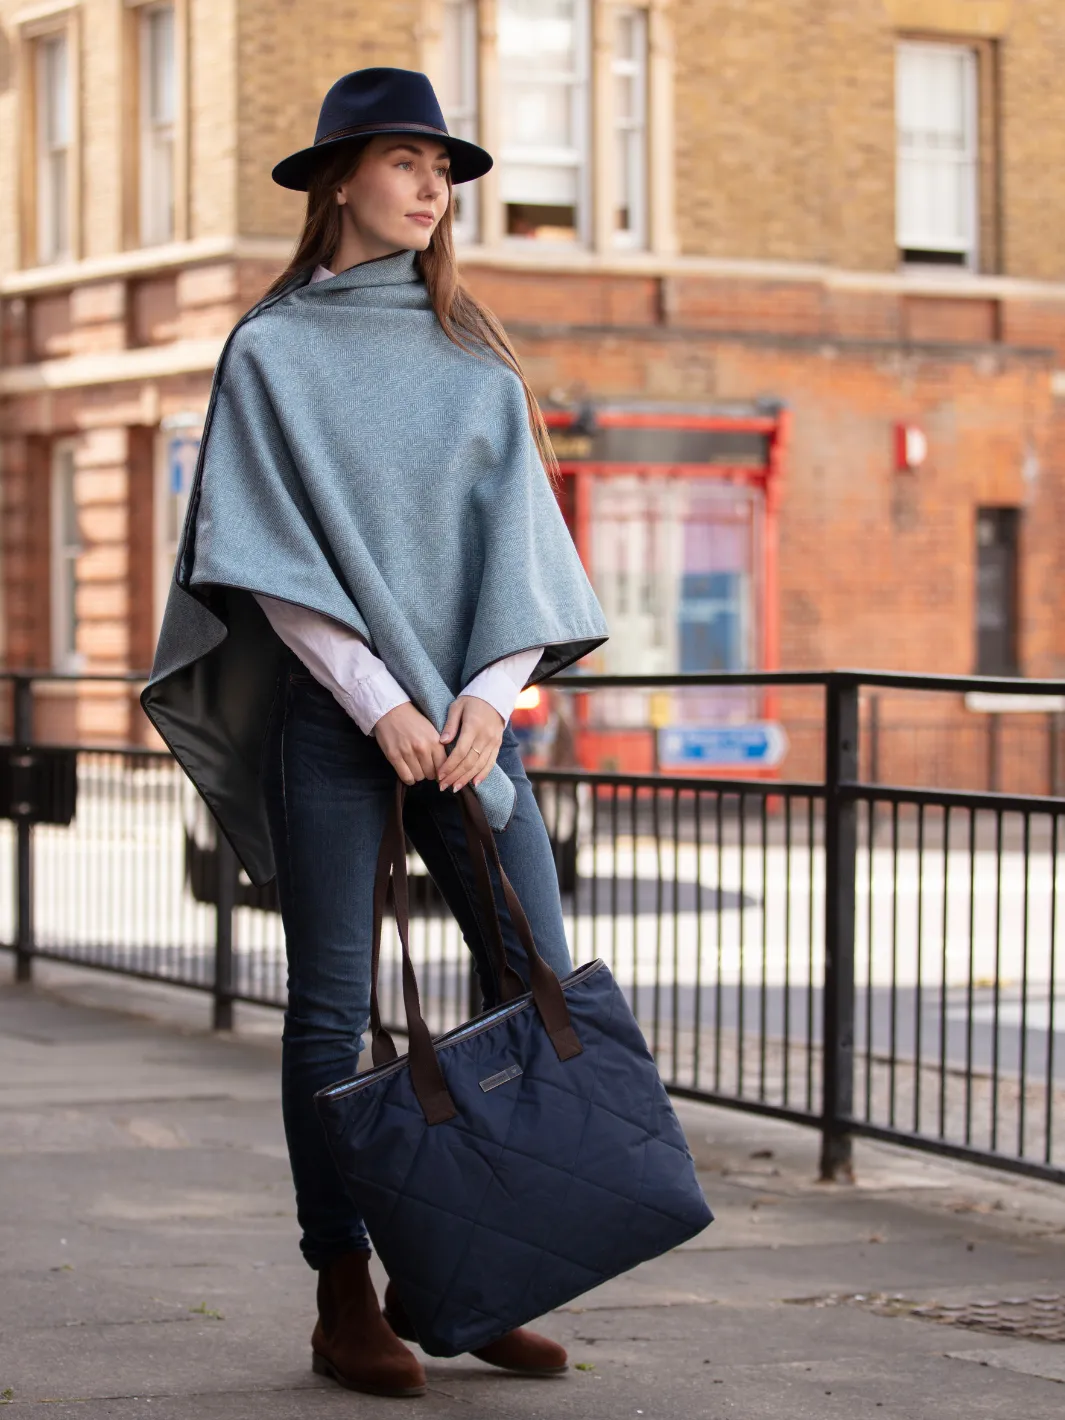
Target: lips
[[426, 218]]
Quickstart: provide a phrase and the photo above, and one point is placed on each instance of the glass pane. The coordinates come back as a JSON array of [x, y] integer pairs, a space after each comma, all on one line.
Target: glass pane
[[159, 38], [68, 520], [537, 37], [673, 563], [538, 115], [55, 237], [159, 196], [70, 607], [55, 91], [623, 211]]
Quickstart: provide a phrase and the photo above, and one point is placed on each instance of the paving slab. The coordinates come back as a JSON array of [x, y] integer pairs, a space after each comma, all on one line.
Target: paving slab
[[149, 1267]]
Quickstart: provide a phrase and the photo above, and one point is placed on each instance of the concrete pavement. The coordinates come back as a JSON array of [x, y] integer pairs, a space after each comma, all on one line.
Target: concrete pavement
[[148, 1262]]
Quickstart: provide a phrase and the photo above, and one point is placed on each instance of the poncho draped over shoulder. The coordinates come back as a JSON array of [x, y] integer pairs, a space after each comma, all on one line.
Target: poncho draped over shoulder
[[357, 462]]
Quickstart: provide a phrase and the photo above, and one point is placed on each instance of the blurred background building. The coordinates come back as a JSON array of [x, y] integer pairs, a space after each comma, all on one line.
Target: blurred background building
[[787, 276]]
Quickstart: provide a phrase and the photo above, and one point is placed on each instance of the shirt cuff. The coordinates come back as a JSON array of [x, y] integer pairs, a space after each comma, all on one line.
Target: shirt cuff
[[502, 682], [375, 695]]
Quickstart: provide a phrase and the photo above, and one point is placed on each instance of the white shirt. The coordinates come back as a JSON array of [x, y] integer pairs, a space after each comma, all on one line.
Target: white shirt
[[361, 683]]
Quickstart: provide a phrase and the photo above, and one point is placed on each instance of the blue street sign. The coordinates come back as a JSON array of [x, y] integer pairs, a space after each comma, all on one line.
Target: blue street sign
[[758, 746]]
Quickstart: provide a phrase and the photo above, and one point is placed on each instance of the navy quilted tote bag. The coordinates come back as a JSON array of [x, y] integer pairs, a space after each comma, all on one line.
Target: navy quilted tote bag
[[509, 1165]]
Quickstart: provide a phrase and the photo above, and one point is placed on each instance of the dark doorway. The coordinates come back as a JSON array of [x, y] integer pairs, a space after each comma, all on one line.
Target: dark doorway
[[996, 591]]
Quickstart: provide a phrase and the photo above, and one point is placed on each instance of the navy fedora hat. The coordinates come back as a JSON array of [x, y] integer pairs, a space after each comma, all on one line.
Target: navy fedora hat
[[380, 100]]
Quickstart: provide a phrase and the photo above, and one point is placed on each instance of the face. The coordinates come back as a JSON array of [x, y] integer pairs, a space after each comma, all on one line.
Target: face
[[398, 193]]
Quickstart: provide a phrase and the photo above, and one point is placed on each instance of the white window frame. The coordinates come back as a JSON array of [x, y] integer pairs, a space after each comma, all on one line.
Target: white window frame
[[579, 82], [630, 175], [63, 564], [54, 225], [463, 116], [913, 234], [158, 133]]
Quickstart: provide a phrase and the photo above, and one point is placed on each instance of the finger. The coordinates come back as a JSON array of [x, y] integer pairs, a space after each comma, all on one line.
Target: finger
[[427, 761], [403, 769], [472, 769], [452, 723], [459, 759]]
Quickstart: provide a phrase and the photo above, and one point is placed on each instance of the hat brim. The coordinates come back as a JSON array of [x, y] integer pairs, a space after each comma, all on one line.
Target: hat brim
[[295, 172]]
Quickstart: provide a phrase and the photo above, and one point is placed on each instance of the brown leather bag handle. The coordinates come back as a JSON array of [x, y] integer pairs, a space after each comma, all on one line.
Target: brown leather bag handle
[[426, 1076], [546, 988]]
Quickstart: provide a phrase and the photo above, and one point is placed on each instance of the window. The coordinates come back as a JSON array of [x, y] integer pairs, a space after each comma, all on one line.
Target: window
[[458, 99], [158, 108], [936, 121], [177, 449], [66, 548], [543, 74], [996, 591], [53, 148], [630, 125]]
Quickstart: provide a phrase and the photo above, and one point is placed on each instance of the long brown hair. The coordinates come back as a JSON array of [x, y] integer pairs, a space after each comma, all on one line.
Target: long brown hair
[[464, 320]]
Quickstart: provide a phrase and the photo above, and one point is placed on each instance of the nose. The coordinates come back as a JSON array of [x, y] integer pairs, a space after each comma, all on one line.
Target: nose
[[433, 188]]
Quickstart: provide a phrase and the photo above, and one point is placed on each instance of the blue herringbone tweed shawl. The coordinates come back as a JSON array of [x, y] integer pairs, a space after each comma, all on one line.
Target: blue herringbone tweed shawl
[[358, 462]]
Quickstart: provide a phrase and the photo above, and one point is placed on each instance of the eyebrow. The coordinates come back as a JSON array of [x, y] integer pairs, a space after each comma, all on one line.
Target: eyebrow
[[415, 148]]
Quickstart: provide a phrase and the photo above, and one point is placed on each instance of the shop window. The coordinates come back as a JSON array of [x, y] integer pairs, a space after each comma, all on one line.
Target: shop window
[[629, 69], [544, 82], [673, 563], [54, 156], [458, 99], [996, 591], [66, 549], [937, 153], [158, 112]]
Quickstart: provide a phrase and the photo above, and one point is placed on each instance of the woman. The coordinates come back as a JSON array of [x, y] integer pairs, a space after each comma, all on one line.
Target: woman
[[373, 566]]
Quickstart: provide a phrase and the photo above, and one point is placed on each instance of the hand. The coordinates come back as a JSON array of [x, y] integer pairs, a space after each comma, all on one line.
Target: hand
[[411, 743], [479, 727]]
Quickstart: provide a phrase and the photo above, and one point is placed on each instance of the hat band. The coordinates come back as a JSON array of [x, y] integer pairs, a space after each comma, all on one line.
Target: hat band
[[378, 128]]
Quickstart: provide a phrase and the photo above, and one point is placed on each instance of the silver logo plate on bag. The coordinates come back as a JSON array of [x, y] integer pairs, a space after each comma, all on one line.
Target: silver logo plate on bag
[[494, 1081]]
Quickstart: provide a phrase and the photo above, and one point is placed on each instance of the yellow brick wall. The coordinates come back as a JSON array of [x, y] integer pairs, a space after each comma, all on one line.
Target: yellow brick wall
[[786, 132], [212, 117], [289, 55], [1033, 141], [101, 126]]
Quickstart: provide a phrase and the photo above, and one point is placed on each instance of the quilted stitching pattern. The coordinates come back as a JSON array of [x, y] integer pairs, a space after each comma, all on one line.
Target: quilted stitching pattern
[[540, 1189]]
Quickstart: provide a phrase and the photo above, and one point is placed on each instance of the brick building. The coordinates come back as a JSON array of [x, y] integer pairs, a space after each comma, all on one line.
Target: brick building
[[809, 223]]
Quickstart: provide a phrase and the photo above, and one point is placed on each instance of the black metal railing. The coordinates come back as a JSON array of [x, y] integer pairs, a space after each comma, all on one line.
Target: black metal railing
[[865, 957]]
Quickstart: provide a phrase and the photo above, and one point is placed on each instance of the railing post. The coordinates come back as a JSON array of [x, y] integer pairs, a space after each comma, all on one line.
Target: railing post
[[24, 933], [841, 855], [226, 860]]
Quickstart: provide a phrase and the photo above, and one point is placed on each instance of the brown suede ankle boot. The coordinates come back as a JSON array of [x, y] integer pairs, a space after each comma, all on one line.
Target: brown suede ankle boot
[[352, 1343], [519, 1350]]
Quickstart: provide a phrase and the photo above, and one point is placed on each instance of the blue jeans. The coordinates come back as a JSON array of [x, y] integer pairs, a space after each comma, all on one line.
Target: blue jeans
[[328, 790]]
